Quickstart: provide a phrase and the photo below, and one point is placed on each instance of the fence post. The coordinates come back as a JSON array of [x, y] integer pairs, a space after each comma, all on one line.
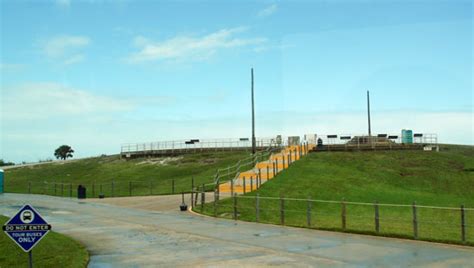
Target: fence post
[[130, 188], [377, 219], [268, 176], [113, 190], [283, 161], [276, 164], [343, 214], [215, 201], [203, 193], [259, 178], [172, 186], [273, 163], [196, 196], [282, 210], [308, 213], [29, 187], [257, 208], [192, 191], [218, 189], [231, 187], [244, 190], [235, 206], [415, 221], [70, 189], [463, 225]]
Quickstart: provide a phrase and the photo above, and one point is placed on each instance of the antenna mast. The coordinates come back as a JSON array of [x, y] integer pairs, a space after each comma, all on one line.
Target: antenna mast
[[253, 118], [368, 112]]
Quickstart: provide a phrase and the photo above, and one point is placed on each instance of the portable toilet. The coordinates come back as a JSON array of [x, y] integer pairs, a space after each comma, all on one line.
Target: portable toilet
[[407, 136], [1, 181]]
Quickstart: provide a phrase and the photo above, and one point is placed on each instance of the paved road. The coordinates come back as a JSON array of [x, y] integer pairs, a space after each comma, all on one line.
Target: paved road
[[120, 236]]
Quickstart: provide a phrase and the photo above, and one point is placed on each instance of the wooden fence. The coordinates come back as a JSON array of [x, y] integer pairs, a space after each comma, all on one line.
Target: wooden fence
[[443, 224]]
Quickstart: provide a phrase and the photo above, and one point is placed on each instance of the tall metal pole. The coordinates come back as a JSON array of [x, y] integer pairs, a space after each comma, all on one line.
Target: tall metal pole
[[368, 112], [253, 118]]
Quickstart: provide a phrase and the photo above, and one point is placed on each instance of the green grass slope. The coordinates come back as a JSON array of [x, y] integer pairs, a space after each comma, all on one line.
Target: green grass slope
[[444, 178], [55, 250], [99, 173]]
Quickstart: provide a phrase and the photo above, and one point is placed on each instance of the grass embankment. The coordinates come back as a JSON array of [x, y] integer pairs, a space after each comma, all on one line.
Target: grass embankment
[[444, 178], [55, 250], [148, 175]]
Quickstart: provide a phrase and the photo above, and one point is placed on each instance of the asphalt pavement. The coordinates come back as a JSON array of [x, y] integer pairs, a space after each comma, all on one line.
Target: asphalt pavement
[[120, 235]]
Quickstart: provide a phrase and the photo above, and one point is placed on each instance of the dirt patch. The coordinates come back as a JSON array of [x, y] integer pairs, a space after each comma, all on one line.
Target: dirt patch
[[162, 161], [209, 161]]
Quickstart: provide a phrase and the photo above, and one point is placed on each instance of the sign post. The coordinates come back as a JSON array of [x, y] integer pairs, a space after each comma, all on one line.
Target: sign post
[[1, 181], [26, 229]]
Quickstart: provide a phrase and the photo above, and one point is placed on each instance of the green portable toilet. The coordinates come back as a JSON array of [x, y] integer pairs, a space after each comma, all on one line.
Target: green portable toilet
[[407, 136], [1, 181]]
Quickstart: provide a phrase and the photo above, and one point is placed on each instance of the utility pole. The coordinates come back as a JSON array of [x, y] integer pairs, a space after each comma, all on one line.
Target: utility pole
[[368, 112], [253, 117]]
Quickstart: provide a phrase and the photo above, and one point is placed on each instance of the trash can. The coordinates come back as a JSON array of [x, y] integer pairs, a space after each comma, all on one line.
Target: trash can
[[183, 206], [320, 143], [1, 181], [81, 192]]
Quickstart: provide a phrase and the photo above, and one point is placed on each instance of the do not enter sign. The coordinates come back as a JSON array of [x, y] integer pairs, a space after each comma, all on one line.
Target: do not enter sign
[[26, 228]]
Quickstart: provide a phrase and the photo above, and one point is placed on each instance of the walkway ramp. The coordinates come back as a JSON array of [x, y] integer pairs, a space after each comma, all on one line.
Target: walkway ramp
[[266, 170]]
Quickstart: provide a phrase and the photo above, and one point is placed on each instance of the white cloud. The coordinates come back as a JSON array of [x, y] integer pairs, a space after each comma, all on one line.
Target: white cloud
[[182, 48], [268, 11], [63, 3], [44, 100], [66, 48], [11, 67], [74, 59]]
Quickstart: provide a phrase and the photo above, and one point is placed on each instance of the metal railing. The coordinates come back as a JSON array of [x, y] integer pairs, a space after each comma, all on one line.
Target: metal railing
[[195, 144], [231, 172], [380, 139]]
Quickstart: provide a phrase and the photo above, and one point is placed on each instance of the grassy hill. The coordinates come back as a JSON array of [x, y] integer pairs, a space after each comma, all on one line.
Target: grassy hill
[[55, 250], [112, 172], [444, 178]]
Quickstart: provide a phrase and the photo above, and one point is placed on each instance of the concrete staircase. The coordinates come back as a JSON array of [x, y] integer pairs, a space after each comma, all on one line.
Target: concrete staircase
[[264, 171]]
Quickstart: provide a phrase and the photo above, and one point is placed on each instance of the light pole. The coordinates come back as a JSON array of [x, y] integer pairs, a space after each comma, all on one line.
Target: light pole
[[253, 116], [368, 112]]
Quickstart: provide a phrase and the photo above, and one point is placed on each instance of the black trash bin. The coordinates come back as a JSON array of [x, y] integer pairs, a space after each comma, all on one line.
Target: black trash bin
[[81, 192], [320, 143]]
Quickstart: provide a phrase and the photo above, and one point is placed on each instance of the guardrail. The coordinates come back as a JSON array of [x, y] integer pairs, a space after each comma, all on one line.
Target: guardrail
[[197, 144], [360, 139]]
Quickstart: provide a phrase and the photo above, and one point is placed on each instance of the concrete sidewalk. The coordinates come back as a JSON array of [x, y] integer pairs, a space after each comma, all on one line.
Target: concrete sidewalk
[[124, 237]]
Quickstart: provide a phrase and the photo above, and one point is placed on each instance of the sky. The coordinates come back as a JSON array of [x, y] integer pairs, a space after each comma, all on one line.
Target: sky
[[98, 74]]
